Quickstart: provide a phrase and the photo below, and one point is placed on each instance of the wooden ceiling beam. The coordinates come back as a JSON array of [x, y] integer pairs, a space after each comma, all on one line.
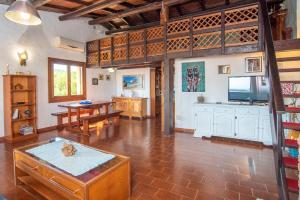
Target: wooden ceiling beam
[[88, 9], [213, 9], [141, 16], [178, 9], [80, 2], [110, 10], [115, 26], [203, 4], [134, 11], [61, 9], [132, 28]]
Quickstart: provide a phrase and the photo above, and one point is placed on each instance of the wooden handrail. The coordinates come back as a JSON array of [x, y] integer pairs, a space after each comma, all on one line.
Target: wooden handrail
[[271, 58], [277, 107]]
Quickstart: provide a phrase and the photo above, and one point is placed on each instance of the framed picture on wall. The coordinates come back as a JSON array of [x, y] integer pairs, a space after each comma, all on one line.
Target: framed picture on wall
[[253, 64], [193, 77], [101, 77], [94, 81], [131, 82]]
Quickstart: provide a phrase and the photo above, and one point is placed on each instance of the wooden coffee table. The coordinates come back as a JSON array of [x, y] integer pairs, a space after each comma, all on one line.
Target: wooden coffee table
[[110, 180]]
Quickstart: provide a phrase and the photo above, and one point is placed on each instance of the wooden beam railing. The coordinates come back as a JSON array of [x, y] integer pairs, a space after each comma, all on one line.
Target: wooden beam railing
[[220, 32], [277, 107]]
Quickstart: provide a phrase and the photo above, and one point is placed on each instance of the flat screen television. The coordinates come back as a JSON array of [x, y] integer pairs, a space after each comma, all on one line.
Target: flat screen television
[[248, 88]]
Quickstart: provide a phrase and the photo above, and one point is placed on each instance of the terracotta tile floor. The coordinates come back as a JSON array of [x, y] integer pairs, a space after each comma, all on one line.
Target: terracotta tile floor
[[179, 167]]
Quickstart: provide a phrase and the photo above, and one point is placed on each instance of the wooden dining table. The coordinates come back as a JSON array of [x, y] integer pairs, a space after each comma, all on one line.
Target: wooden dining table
[[78, 107]]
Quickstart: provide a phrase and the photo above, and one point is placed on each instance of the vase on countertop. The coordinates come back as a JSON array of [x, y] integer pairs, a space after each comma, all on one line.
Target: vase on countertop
[[200, 99]]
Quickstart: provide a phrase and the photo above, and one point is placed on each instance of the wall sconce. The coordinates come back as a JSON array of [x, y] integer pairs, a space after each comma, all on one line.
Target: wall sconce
[[23, 56]]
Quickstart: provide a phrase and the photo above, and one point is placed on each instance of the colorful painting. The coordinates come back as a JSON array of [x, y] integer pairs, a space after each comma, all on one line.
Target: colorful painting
[[131, 82], [193, 77], [254, 65]]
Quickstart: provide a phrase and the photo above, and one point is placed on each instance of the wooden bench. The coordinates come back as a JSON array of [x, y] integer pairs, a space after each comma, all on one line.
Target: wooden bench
[[61, 115], [86, 120]]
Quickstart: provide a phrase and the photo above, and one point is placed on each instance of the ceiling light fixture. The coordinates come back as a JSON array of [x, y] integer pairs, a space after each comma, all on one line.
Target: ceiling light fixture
[[23, 12]]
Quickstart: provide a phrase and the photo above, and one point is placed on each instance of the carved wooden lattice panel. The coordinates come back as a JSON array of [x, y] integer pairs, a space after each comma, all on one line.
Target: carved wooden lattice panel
[[105, 43], [93, 58], [119, 54], [154, 49], [136, 51], [93, 46], [105, 57], [155, 33], [178, 44], [207, 41], [241, 36], [207, 21], [137, 36], [120, 39], [180, 26], [241, 15]]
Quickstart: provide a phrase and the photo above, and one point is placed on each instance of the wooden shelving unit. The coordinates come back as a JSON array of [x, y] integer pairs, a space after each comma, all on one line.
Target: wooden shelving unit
[[22, 98]]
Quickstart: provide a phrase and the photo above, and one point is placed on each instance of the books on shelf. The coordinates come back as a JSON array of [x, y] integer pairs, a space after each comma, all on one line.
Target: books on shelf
[[26, 130]]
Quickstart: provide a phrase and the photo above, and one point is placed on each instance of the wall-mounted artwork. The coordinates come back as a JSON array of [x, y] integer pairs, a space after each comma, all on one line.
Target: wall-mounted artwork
[[193, 77], [94, 81], [224, 69], [131, 82], [101, 77], [253, 64]]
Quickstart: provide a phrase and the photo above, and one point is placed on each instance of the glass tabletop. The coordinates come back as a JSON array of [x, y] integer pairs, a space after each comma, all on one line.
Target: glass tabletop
[[85, 177]]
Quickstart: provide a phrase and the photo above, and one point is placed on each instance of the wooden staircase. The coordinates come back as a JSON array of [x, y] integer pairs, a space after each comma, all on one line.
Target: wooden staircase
[[288, 71], [282, 67]]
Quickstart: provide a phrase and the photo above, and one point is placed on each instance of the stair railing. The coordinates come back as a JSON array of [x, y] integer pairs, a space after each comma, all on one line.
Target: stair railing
[[277, 108]]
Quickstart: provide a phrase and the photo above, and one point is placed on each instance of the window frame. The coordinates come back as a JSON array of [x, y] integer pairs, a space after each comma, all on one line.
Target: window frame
[[68, 97]]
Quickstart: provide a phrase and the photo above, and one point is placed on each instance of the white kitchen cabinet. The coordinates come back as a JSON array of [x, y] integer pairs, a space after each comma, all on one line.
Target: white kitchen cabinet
[[203, 122], [224, 124], [265, 130], [247, 127], [247, 122]]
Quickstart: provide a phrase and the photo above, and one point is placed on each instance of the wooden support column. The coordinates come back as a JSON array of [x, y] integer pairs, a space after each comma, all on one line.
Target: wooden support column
[[223, 32], [112, 51], [260, 30], [153, 92], [167, 97], [167, 78], [127, 48]]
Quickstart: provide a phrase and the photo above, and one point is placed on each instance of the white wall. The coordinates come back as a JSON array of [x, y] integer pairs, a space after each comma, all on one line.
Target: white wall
[[105, 89], [216, 86], [139, 93], [38, 42]]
